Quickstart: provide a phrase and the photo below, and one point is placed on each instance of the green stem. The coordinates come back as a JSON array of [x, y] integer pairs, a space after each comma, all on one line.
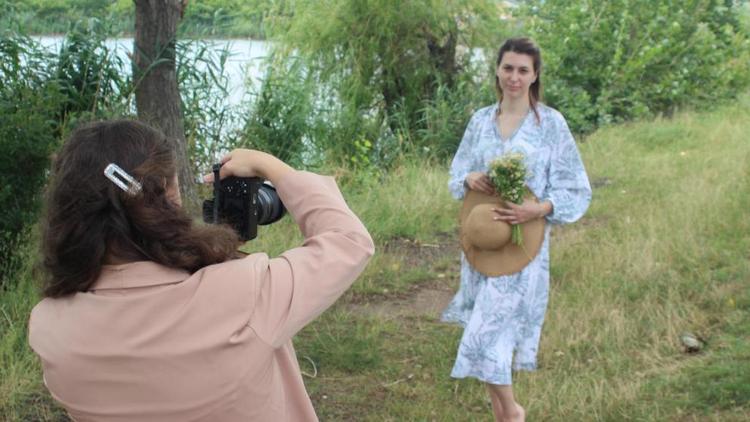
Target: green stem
[[516, 235]]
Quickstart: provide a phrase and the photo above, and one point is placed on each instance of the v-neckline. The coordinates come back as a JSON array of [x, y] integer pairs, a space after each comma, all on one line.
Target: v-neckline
[[496, 125]]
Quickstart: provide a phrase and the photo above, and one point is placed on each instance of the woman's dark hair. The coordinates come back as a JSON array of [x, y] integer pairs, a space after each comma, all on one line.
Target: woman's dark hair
[[528, 47], [89, 219]]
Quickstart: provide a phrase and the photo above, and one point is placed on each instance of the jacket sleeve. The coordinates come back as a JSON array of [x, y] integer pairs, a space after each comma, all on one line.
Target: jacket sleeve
[[304, 281], [568, 185]]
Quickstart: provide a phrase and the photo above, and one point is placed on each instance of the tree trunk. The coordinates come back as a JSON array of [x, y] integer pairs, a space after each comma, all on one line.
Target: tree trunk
[[157, 96], [443, 55]]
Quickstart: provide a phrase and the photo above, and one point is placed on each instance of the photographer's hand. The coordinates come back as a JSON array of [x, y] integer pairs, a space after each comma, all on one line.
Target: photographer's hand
[[251, 163]]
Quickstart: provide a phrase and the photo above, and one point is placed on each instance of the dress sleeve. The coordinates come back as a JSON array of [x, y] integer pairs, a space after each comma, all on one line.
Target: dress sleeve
[[304, 281], [568, 187], [465, 160]]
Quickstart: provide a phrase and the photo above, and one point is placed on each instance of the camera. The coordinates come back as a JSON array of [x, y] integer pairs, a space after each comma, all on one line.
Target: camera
[[243, 203]]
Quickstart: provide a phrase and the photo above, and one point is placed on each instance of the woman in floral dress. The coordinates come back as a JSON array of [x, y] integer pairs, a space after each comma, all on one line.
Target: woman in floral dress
[[502, 316]]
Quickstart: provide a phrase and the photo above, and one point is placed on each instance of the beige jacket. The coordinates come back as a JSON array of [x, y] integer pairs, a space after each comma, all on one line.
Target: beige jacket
[[152, 343]]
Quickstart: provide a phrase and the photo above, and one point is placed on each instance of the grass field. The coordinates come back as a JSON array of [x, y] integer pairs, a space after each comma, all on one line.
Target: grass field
[[663, 250]]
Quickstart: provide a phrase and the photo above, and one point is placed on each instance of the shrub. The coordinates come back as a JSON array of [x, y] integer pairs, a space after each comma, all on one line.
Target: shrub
[[41, 94], [282, 116], [617, 60], [28, 104], [90, 74], [210, 122], [385, 66]]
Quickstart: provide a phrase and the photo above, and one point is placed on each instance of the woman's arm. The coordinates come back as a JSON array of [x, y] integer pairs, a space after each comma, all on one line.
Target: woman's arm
[[465, 162], [299, 285], [304, 281], [568, 189], [251, 163]]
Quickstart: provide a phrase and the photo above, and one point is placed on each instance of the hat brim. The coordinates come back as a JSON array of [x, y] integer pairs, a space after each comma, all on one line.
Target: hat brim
[[509, 259]]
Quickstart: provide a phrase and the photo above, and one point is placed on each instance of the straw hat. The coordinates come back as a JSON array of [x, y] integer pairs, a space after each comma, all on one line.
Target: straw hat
[[487, 243]]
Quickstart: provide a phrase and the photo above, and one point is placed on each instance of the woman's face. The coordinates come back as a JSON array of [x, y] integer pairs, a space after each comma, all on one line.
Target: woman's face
[[516, 74]]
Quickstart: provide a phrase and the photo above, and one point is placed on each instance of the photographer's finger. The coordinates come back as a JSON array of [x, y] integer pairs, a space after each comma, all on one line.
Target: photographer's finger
[[209, 178], [227, 157], [226, 170]]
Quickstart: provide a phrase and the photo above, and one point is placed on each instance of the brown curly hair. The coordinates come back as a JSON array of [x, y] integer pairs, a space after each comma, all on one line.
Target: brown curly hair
[[88, 220]]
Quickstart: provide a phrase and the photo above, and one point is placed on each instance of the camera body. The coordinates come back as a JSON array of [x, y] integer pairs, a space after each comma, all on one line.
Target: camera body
[[243, 203]]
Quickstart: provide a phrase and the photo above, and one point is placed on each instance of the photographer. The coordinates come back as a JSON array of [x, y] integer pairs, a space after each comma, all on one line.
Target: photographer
[[149, 317]]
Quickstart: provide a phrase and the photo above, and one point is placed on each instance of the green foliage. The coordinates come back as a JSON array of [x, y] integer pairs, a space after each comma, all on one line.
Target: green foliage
[[210, 123], [385, 62], [90, 73], [718, 380], [29, 101], [644, 264], [508, 174], [743, 16], [445, 115], [58, 16], [233, 18], [618, 60], [23, 396], [344, 347], [41, 94], [206, 18], [281, 115]]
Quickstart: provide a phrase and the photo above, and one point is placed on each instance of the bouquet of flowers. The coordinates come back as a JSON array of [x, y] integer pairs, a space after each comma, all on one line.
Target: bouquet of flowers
[[508, 174]]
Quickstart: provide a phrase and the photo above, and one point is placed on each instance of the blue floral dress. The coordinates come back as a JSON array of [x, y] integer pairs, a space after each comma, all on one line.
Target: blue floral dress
[[502, 316]]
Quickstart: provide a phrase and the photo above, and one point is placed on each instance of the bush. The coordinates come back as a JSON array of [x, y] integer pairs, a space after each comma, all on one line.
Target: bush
[[211, 18], [617, 60], [210, 122], [227, 17], [282, 114], [41, 94], [90, 74], [386, 68], [28, 104]]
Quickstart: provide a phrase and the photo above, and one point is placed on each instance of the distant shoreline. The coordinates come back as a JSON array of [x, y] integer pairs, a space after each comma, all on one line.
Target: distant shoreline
[[132, 35]]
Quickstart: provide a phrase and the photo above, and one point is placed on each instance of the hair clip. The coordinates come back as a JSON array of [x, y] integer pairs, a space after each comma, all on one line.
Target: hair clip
[[122, 179]]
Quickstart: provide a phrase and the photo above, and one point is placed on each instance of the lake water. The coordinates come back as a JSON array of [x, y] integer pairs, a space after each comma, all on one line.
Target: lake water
[[244, 65]]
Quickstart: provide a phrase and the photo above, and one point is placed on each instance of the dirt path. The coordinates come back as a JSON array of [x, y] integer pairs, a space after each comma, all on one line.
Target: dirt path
[[428, 298], [424, 302]]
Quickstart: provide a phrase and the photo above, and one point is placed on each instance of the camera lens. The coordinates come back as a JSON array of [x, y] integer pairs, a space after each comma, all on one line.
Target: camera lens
[[270, 208]]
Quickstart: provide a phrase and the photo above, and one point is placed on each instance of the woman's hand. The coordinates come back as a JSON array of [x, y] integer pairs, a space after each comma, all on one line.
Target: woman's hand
[[479, 182], [250, 163], [519, 214]]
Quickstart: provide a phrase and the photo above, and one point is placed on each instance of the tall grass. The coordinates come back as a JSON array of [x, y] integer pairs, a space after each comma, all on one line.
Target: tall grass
[[663, 250], [22, 393]]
